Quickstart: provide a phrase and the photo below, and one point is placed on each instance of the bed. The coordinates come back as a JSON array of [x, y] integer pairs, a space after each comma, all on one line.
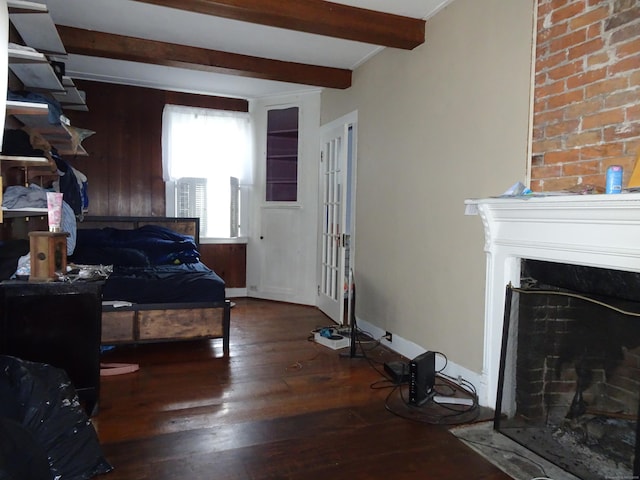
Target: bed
[[157, 290]]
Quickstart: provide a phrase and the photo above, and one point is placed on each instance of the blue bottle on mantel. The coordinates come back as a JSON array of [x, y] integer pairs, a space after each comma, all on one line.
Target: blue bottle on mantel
[[614, 179]]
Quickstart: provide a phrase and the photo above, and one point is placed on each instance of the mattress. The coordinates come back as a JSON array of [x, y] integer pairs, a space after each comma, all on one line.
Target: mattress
[[184, 283], [151, 264]]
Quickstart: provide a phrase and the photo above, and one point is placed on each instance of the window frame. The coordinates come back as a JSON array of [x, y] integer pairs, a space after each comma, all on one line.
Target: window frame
[[243, 184]]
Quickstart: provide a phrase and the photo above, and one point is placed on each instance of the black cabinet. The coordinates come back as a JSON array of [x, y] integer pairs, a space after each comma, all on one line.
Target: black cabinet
[[59, 324]]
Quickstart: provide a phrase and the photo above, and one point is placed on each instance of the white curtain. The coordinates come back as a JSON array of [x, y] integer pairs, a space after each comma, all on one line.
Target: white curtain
[[211, 144]]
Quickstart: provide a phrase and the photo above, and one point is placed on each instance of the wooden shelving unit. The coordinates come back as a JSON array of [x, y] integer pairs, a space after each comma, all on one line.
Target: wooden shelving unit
[[32, 67], [17, 108], [34, 24], [72, 98], [34, 70], [36, 116], [28, 162]]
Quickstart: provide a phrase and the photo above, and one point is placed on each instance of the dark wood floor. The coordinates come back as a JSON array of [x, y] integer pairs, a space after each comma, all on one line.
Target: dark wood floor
[[279, 407]]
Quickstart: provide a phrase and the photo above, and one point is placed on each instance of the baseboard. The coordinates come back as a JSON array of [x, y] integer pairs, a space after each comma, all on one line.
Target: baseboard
[[235, 292], [410, 350]]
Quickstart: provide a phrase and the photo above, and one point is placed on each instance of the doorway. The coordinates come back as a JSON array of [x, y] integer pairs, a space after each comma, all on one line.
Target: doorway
[[337, 219], [282, 245]]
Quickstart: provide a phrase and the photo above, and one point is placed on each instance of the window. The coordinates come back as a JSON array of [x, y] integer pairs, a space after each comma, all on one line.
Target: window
[[207, 157], [191, 199]]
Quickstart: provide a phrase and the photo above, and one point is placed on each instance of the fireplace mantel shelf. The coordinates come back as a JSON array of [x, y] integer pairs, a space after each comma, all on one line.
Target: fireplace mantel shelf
[[592, 230], [568, 202]]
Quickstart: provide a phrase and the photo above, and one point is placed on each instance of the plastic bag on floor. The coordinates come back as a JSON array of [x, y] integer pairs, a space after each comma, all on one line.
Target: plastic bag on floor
[[47, 406], [21, 456]]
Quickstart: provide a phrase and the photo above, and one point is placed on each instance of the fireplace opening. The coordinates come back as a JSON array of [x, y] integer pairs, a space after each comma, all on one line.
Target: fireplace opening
[[569, 380]]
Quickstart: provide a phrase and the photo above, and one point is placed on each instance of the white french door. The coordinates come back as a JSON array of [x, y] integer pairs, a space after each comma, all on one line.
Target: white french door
[[337, 167]]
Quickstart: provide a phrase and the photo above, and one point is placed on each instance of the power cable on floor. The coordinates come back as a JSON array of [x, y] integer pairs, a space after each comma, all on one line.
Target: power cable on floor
[[432, 412]]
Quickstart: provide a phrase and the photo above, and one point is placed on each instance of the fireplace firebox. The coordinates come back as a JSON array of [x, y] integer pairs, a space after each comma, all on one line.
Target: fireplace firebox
[[569, 381]]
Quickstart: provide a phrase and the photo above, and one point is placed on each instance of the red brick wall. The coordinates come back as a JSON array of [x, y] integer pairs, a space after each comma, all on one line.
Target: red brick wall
[[587, 92], [554, 335]]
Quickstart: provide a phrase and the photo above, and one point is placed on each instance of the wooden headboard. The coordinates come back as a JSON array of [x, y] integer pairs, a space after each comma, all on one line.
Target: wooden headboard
[[183, 225]]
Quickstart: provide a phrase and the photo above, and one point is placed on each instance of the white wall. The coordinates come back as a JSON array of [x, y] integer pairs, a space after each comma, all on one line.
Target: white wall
[[439, 124]]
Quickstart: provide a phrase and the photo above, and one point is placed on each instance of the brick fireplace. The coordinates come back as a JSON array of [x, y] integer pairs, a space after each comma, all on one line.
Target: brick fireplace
[[578, 348], [595, 231], [586, 117], [570, 373], [591, 230]]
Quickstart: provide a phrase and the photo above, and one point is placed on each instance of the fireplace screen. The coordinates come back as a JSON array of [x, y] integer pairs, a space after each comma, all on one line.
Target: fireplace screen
[[569, 379]]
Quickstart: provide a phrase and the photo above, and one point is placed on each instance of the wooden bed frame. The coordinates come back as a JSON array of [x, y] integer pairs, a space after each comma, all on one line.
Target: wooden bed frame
[[161, 322]]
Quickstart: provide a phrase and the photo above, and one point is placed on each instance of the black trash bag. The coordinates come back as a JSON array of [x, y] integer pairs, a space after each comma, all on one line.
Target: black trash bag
[[21, 456], [50, 410]]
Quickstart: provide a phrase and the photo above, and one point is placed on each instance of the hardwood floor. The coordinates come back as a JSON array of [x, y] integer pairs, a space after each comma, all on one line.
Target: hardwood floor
[[279, 407]]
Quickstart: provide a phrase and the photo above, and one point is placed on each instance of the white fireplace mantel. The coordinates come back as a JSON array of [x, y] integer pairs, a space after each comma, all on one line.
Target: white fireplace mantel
[[593, 230]]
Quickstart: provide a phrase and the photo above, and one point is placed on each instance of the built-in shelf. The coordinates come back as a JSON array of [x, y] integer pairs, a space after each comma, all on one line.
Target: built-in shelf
[[36, 117], [282, 154], [15, 107], [22, 161], [72, 98], [23, 212], [25, 6], [37, 29], [35, 26], [33, 66], [34, 70], [288, 133]]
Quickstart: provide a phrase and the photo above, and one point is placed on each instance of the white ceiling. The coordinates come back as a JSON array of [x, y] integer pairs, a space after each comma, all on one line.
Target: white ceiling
[[143, 20]]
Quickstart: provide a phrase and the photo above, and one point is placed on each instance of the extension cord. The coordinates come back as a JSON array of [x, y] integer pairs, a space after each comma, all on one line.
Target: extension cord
[[333, 343]]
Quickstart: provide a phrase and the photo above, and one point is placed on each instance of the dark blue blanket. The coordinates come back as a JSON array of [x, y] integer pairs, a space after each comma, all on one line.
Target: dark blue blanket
[[152, 264], [147, 245], [189, 282]]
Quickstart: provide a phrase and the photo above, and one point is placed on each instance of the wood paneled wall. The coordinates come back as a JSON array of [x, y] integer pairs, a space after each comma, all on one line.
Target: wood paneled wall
[[228, 260], [124, 166]]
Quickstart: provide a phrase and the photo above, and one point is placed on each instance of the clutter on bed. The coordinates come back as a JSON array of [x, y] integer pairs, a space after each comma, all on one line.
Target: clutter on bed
[[151, 264], [157, 288]]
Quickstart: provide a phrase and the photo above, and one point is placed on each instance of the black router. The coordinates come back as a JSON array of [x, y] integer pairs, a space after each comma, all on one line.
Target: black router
[[422, 377]]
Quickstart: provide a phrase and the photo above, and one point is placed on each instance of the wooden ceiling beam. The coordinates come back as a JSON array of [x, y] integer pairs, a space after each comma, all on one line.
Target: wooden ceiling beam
[[314, 16], [105, 45]]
